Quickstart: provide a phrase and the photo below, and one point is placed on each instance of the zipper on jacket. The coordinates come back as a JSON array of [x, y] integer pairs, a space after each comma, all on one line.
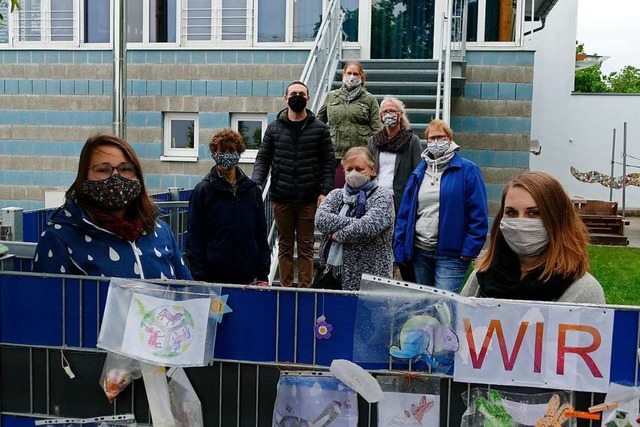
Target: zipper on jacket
[[138, 261]]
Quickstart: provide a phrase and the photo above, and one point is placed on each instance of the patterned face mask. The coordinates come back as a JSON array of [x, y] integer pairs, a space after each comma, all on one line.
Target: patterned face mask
[[351, 81], [227, 160], [390, 119], [114, 193]]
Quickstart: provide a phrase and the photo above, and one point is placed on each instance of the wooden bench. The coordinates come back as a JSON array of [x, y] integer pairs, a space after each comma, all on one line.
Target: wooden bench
[[605, 226]]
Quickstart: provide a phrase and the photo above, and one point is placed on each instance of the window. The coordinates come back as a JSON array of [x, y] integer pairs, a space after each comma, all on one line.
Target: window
[[181, 136], [494, 21], [47, 21], [251, 127], [151, 21], [4, 34], [216, 20], [97, 21], [289, 20]]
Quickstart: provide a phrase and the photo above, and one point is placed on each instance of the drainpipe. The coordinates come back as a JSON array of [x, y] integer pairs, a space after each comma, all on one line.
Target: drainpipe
[[119, 69]]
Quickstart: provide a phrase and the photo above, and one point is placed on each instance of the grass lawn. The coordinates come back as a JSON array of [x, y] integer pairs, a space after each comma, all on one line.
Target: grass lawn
[[618, 271]]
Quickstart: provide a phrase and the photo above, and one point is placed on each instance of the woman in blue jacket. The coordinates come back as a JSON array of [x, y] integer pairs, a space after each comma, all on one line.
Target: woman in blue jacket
[[108, 225], [227, 239], [442, 220]]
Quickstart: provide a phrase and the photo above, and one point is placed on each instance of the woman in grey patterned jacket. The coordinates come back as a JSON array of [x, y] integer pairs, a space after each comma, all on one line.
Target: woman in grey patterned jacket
[[357, 222]]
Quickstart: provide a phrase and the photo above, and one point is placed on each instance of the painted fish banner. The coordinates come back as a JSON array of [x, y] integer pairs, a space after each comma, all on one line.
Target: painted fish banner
[[160, 325]]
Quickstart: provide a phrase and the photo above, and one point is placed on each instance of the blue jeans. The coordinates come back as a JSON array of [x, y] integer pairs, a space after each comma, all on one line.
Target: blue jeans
[[443, 272]]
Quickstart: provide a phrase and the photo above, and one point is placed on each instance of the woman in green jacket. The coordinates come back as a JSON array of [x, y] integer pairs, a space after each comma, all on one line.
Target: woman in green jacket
[[352, 114]]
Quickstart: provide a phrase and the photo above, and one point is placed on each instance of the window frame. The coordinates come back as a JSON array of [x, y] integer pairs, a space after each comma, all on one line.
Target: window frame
[[216, 19], [45, 28], [288, 23], [170, 153], [249, 156]]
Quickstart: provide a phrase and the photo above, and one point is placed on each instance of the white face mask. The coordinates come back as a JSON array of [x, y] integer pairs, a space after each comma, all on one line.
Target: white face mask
[[525, 236], [351, 81], [438, 147], [356, 179]]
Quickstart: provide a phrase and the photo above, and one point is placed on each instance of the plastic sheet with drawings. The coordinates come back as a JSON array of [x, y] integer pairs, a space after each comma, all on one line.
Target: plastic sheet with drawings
[[404, 326], [105, 421], [487, 406], [160, 324], [409, 400]]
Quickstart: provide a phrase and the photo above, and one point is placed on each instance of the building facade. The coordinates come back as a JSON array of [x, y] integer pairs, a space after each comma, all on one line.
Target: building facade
[[195, 66]]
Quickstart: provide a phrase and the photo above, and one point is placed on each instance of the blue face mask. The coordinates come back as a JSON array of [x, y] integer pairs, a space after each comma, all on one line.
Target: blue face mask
[[227, 160]]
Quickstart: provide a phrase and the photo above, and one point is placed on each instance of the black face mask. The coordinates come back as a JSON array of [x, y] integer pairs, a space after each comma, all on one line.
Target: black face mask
[[297, 103]]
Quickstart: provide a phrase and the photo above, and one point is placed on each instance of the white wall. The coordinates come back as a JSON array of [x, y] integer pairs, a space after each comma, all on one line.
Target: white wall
[[576, 130]]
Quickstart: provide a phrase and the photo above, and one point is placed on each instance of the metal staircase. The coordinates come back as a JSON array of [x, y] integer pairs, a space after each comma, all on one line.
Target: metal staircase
[[414, 81]]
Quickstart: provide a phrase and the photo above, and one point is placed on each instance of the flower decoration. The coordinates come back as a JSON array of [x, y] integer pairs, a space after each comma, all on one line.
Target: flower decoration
[[323, 329]]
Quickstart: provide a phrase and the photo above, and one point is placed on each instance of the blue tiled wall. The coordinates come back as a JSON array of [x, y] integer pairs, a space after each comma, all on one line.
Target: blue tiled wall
[[288, 56], [500, 57]]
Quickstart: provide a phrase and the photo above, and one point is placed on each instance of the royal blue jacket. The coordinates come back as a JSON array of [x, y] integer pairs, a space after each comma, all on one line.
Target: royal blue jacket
[[463, 222], [227, 239], [72, 244]]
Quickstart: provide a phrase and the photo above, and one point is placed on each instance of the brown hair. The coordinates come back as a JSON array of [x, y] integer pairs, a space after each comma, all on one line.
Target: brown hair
[[296, 82], [566, 254], [143, 209], [227, 140], [363, 75], [437, 123]]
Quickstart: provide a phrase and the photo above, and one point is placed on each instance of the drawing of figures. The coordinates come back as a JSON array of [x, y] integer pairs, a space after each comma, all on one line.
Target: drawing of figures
[[305, 401], [167, 331], [408, 410]]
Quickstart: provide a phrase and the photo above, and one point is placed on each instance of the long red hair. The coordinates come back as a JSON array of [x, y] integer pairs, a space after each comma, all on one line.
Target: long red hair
[[566, 254]]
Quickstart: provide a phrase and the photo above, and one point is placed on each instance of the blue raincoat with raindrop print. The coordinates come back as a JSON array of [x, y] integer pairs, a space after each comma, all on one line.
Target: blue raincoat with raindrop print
[[72, 244]]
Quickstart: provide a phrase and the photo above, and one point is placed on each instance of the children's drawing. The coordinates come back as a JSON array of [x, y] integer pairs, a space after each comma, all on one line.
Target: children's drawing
[[166, 331], [556, 414], [220, 307], [493, 411], [408, 410], [314, 401], [426, 337]]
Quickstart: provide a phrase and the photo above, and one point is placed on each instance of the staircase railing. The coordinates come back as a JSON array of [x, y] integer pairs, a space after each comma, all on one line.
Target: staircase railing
[[321, 64], [453, 36], [317, 74]]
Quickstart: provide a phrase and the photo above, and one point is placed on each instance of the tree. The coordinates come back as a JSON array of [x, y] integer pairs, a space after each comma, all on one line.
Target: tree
[[625, 81], [591, 79], [15, 5]]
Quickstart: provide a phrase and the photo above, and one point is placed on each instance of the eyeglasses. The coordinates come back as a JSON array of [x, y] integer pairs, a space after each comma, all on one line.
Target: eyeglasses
[[105, 170], [437, 137], [390, 111]]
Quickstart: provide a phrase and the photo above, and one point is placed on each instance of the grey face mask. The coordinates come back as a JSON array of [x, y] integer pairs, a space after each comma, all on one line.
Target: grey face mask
[[525, 236]]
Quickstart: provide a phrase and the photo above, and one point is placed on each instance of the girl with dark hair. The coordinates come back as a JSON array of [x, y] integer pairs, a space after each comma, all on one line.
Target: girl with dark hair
[[109, 225], [538, 247]]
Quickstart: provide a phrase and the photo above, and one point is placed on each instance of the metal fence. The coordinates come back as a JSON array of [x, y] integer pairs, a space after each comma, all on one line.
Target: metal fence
[[269, 330]]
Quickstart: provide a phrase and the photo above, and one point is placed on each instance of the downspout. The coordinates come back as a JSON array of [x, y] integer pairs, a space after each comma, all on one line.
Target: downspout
[[119, 70]]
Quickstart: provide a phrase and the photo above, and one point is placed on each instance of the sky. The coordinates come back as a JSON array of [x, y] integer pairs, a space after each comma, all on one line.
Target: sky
[[611, 28]]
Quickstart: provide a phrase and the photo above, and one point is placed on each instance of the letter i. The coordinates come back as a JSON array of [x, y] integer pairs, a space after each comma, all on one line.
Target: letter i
[[537, 356]]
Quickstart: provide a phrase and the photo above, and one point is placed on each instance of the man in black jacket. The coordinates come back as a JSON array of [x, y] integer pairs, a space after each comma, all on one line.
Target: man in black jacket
[[297, 148]]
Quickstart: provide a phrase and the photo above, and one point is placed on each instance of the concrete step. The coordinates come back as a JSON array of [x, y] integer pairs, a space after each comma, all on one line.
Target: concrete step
[[375, 64], [400, 75]]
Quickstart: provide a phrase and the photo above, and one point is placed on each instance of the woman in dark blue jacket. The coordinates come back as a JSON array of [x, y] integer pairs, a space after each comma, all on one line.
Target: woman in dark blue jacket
[[227, 230]]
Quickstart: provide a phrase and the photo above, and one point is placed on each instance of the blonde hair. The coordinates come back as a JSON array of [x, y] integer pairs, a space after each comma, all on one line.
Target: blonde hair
[[437, 123], [566, 254], [404, 120], [362, 152]]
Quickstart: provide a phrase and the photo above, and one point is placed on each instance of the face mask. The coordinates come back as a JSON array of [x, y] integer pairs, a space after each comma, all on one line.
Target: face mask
[[114, 193], [356, 179], [525, 236], [438, 147], [297, 103], [351, 82], [227, 160], [390, 119]]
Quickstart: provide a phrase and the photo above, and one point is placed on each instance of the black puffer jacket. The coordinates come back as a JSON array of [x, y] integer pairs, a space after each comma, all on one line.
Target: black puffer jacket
[[302, 165]]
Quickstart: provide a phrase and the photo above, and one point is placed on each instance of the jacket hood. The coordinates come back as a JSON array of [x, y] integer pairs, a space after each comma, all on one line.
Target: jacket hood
[[71, 214]]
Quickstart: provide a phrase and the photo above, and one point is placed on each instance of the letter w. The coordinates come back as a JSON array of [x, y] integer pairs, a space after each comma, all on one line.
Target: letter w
[[494, 326]]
